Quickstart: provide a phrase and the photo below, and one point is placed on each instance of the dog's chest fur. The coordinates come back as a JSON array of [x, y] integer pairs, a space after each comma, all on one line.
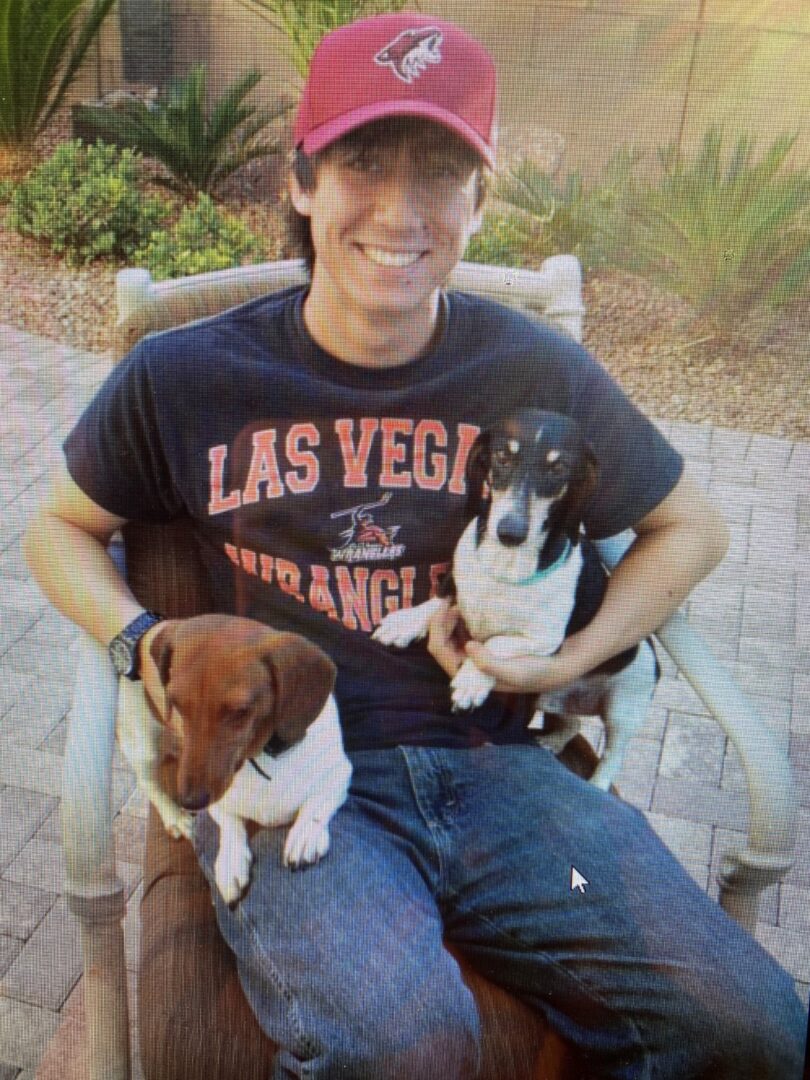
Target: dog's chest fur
[[274, 795], [538, 609]]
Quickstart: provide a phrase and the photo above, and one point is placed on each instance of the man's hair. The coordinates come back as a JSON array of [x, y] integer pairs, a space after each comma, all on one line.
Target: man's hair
[[385, 134]]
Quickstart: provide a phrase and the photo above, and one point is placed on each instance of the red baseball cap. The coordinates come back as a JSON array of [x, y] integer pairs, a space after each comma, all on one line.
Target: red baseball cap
[[398, 65]]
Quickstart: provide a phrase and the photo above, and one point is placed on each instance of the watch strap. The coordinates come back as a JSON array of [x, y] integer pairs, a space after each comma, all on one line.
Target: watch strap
[[126, 643]]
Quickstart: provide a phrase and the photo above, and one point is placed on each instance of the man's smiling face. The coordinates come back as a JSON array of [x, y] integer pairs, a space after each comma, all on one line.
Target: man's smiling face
[[389, 220]]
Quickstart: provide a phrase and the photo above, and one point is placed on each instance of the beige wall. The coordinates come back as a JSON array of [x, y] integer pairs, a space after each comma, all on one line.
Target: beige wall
[[595, 73]]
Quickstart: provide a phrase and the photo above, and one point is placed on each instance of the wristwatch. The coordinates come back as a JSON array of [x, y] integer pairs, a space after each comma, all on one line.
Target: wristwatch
[[124, 646]]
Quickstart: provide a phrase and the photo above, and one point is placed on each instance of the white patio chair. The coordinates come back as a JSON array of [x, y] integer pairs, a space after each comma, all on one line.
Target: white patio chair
[[93, 888]]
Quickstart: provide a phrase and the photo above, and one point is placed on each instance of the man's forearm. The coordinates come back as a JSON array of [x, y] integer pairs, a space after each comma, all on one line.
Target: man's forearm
[[652, 581], [80, 579], [77, 575]]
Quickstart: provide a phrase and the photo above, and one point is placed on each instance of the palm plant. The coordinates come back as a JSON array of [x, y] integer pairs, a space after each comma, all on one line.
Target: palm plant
[[199, 148], [568, 215], [725, 231], [42, 46], [304, 22]]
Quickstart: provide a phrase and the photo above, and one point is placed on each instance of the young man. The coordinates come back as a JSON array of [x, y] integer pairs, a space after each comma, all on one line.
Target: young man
[[318, 438]]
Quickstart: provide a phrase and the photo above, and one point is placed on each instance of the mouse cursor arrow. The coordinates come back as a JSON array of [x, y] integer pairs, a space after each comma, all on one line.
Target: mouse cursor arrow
[[577, 880]]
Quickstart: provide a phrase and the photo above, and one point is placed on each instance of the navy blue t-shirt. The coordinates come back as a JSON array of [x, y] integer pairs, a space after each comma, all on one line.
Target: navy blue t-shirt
[[325, 494]]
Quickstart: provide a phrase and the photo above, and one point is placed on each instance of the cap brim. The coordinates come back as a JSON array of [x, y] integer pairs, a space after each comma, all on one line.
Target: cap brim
[[329, 132]]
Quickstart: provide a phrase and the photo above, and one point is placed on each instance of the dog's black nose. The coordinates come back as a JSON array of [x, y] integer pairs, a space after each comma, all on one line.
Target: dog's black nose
[[194, 800], [513, 529], [276, 745]]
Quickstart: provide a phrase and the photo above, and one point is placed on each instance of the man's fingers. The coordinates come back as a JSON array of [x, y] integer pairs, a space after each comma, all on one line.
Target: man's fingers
[[442, 644], [511, 674], [445, 621], [525, 673], [492, 664]]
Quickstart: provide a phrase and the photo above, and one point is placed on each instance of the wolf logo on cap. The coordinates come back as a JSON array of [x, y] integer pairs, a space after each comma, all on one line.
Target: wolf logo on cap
[[409, 54]]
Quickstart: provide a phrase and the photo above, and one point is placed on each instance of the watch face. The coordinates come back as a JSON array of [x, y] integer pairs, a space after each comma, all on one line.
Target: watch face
[[122, 656]]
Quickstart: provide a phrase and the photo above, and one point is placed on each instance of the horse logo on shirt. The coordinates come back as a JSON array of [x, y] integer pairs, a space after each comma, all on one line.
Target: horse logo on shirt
[[410, 53]]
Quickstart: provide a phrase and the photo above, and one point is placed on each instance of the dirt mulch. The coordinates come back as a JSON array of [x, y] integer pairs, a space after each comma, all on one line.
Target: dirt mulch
[[648, 339], [41, 293], [674, 368]]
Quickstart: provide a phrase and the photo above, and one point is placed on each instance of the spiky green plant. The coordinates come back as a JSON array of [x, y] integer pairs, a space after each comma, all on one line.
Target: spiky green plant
[[725, 230], [42, 46], [568, 215], [304, 22], [199, 147]]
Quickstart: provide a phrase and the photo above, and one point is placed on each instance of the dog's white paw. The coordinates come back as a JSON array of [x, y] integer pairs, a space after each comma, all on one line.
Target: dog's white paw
[[182, 828], [307, 842], [400, 628], [232, 871], [555, 738], [176, 821], [470, 687]]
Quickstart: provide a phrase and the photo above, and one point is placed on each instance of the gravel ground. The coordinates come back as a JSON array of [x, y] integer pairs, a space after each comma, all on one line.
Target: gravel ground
[[675, 369], [648, 339]]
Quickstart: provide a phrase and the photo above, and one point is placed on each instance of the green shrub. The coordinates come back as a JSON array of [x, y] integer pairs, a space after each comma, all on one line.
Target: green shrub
[[202, 239], [200, 147], [85, 202], [569, 216], [7, 189], [724, 231], [502, 240], [42, 46]]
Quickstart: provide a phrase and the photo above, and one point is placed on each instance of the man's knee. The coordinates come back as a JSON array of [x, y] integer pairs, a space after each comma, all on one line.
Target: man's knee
[[443, 1046], [762, 1045], [753, 1036]]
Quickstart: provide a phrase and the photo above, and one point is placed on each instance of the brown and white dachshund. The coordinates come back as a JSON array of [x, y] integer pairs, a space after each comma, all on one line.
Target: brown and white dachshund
[[257, 737], [525, 574]]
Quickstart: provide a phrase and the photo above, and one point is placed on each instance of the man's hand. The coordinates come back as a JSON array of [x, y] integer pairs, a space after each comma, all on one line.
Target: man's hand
[[526, 673], [444, 641]]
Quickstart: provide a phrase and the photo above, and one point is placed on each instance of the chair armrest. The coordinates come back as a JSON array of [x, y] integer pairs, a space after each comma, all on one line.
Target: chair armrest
[[772, 800], [93, 891], [553, 293], [87, 775]]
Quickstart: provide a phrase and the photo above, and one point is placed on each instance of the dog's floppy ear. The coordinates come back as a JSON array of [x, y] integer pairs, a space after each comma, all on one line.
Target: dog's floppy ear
[[303, 677], [161, 650], [477, 471], [582, 486]]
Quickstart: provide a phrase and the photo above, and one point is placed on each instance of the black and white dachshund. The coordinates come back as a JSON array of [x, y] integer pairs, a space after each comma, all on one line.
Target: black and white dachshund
[[524, 572]]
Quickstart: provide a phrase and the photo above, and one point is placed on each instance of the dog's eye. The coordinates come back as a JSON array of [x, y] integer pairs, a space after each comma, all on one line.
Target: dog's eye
[[239, 716], [558, 467]]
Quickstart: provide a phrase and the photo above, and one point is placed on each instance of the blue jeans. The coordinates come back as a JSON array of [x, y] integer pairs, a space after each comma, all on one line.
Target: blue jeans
[[344, 964]]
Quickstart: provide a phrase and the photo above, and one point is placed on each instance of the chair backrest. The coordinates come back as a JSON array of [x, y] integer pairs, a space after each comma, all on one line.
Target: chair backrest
[[552, 294]]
